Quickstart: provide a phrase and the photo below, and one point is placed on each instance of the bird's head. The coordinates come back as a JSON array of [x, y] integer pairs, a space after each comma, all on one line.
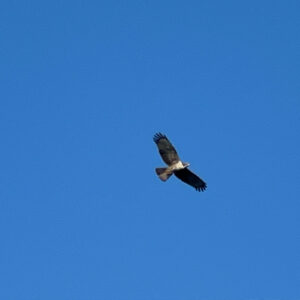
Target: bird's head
[[186, 164]]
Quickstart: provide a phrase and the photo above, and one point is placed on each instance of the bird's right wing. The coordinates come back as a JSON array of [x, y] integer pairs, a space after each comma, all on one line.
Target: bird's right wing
[[190, 178], [166, 149]]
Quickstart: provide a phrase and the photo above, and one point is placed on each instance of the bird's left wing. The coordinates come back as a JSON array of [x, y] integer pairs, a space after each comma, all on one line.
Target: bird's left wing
[[166, 149], [190, 178]]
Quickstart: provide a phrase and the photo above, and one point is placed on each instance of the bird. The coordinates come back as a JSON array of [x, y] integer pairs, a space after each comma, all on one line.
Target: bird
[[175, 165]]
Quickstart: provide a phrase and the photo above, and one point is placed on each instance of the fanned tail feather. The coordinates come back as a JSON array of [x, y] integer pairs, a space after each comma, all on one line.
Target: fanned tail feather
[[163, 173]]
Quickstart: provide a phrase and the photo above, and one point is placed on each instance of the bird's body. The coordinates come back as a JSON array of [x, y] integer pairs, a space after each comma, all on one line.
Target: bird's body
[[179, 165], [175, 165]]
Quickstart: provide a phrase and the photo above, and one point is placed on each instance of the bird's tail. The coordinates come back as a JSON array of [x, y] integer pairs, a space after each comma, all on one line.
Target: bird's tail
[[163, 173]]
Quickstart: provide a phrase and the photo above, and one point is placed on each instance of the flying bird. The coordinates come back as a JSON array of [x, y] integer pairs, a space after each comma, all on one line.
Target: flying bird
[[175, 165]]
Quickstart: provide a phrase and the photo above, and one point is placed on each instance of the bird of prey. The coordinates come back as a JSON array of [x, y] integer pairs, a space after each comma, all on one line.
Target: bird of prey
[[175, 165]]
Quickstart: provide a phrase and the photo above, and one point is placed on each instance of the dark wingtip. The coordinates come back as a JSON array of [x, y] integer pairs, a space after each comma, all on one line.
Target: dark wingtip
[[158, 136], [201, 188]]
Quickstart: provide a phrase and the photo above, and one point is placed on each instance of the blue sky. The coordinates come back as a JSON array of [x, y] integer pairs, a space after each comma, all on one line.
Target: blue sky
[[85, 85]]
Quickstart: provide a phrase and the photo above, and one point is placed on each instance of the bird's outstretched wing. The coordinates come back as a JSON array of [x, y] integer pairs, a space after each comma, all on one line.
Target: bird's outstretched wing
[[190, 178], [166, 149]]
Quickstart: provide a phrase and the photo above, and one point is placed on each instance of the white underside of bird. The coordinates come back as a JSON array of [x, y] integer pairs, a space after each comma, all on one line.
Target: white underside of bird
[[165, 173]]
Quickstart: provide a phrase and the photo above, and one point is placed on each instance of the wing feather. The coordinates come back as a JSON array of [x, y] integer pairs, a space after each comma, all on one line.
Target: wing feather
[[190, 178], [166, 149]]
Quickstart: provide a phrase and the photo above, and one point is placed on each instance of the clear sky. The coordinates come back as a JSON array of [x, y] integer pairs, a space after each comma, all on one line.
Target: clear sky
[[84, 87]]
